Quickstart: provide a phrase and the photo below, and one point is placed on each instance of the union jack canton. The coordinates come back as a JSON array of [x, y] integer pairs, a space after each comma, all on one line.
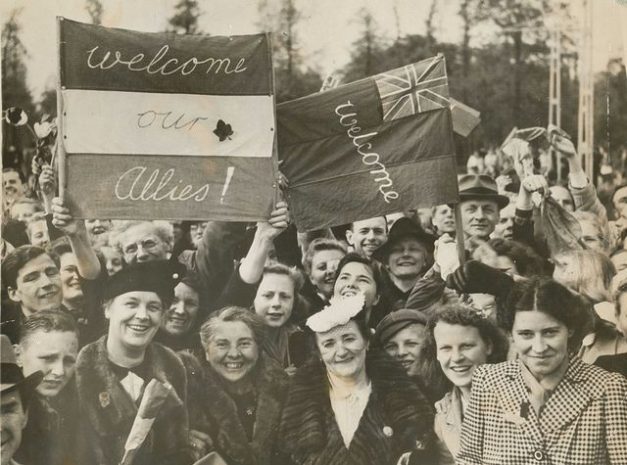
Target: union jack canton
[[412, 89]]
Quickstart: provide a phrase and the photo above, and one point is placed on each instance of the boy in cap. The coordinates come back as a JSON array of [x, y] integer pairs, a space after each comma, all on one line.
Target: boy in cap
[[15, 392]]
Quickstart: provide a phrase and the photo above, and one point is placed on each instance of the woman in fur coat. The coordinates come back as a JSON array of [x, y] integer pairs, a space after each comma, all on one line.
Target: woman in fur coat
[[113, 372], [237, 392], [354, 406]]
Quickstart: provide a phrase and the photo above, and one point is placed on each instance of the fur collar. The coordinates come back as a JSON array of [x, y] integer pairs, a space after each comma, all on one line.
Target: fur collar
[[108, 406], [271, 384], [303, 426]]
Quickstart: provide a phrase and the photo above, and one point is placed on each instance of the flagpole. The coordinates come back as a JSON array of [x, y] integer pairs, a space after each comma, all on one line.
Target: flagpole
[[459, 234], [60, 133]]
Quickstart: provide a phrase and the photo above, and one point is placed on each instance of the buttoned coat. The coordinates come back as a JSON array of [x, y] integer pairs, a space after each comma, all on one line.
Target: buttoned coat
[[107, 411], [584, 421]]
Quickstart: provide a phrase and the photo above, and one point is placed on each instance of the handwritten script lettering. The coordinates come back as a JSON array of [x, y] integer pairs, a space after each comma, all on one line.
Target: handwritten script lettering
[[148, 118], [371, 159], [158, 64], [133, 184]]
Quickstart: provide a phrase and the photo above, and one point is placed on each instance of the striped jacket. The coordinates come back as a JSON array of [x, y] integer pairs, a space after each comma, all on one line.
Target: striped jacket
[[583, 422]]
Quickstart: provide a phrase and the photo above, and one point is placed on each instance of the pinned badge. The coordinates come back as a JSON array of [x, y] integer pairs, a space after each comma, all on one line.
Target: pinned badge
[[387, 431], [104, 398]]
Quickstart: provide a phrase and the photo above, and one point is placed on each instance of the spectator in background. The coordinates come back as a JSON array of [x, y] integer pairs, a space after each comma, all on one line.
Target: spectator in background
[[405, 256], [37, 230], [320, 263], [443, 220], [24, 208], [366, 236], [13, 185], [504, 229], [480, 204], [33, 283], [563, 198], [113, 259], [143, 241], [49, 343], [619, 259], [15, 394]]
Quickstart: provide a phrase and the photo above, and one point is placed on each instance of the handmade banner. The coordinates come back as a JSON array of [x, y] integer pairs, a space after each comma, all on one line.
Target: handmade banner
[[379, 145], [159, 125]]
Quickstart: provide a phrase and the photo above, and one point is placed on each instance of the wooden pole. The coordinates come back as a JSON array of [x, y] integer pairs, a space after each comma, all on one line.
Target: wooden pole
[[60, 132], [459, 235]]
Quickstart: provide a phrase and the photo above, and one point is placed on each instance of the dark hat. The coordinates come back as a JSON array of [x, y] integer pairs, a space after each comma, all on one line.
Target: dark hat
[[158, 276], [11, 376], [480, 187], [398, 320], [401, 229]]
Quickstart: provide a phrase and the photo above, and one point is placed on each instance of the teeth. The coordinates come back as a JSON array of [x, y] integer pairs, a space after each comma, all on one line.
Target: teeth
[[138, 328], [234, 366]]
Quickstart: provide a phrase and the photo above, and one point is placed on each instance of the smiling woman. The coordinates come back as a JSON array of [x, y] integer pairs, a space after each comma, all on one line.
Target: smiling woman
[[111, 373], [237, 392]]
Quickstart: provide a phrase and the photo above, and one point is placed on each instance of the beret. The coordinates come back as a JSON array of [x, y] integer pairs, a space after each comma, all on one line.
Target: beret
[[158, 276], [396, 321]]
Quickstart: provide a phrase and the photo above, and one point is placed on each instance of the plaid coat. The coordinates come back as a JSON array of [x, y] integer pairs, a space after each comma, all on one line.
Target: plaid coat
[[583, 422]]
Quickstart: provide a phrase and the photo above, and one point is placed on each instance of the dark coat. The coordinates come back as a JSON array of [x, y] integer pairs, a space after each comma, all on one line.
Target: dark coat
[[396, 417], [214, 412], [107, 411], [50, 433]]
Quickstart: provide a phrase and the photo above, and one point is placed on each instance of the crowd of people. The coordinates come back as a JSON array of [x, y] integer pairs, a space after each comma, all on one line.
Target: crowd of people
[[405, 339]]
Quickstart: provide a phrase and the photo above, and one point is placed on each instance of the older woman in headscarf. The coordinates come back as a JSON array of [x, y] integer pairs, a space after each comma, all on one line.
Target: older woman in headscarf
[[351, 405], [237, 391]]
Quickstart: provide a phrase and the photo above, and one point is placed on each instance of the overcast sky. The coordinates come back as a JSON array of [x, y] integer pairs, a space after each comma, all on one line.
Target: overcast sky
[[326, 32]]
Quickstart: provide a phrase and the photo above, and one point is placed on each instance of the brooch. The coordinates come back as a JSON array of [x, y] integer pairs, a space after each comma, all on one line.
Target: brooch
[[104, 398], [387, 431]]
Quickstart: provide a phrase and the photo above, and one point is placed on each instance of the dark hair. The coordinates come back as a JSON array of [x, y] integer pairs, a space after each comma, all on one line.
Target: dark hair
[[48, 321], [17, 258], [616, 189], [355, 257], [528, 262], [318, 245], [385, 222], [233, 314], [463, 315], [61, 246], [545, 295]]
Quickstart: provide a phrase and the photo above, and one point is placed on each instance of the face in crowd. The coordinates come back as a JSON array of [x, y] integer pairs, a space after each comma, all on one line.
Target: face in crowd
[[23, 211], [38, 286], [562, 196], [141, 243], [38, 235], [13, 418], [443, 219], [181, 316], [366, 236], [13, 186], [232, 350], [323, 268], [479, 217], [620, 202], [134, 318], [196, 231], [274, 300], [619, 259], [113, 259], [460, 350], [504, 229], [97, 227], [343, 350], [407, 258], [354, 278], [70, 284], [54, 353], [405, 345], [541, 342]]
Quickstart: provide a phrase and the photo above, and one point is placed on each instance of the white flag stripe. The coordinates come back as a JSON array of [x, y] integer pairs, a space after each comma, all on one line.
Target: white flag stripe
[[111, 122]]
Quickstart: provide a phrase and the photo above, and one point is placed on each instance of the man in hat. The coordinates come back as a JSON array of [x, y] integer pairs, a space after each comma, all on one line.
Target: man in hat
[[15, 392], [480, 204], [406, 255]]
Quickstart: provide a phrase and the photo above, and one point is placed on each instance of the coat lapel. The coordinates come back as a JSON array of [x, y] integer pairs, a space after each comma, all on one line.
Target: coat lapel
[[512, 396], [568, 400]]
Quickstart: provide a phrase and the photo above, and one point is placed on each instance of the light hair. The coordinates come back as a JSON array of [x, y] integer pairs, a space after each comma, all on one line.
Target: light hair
[[163, 229]]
